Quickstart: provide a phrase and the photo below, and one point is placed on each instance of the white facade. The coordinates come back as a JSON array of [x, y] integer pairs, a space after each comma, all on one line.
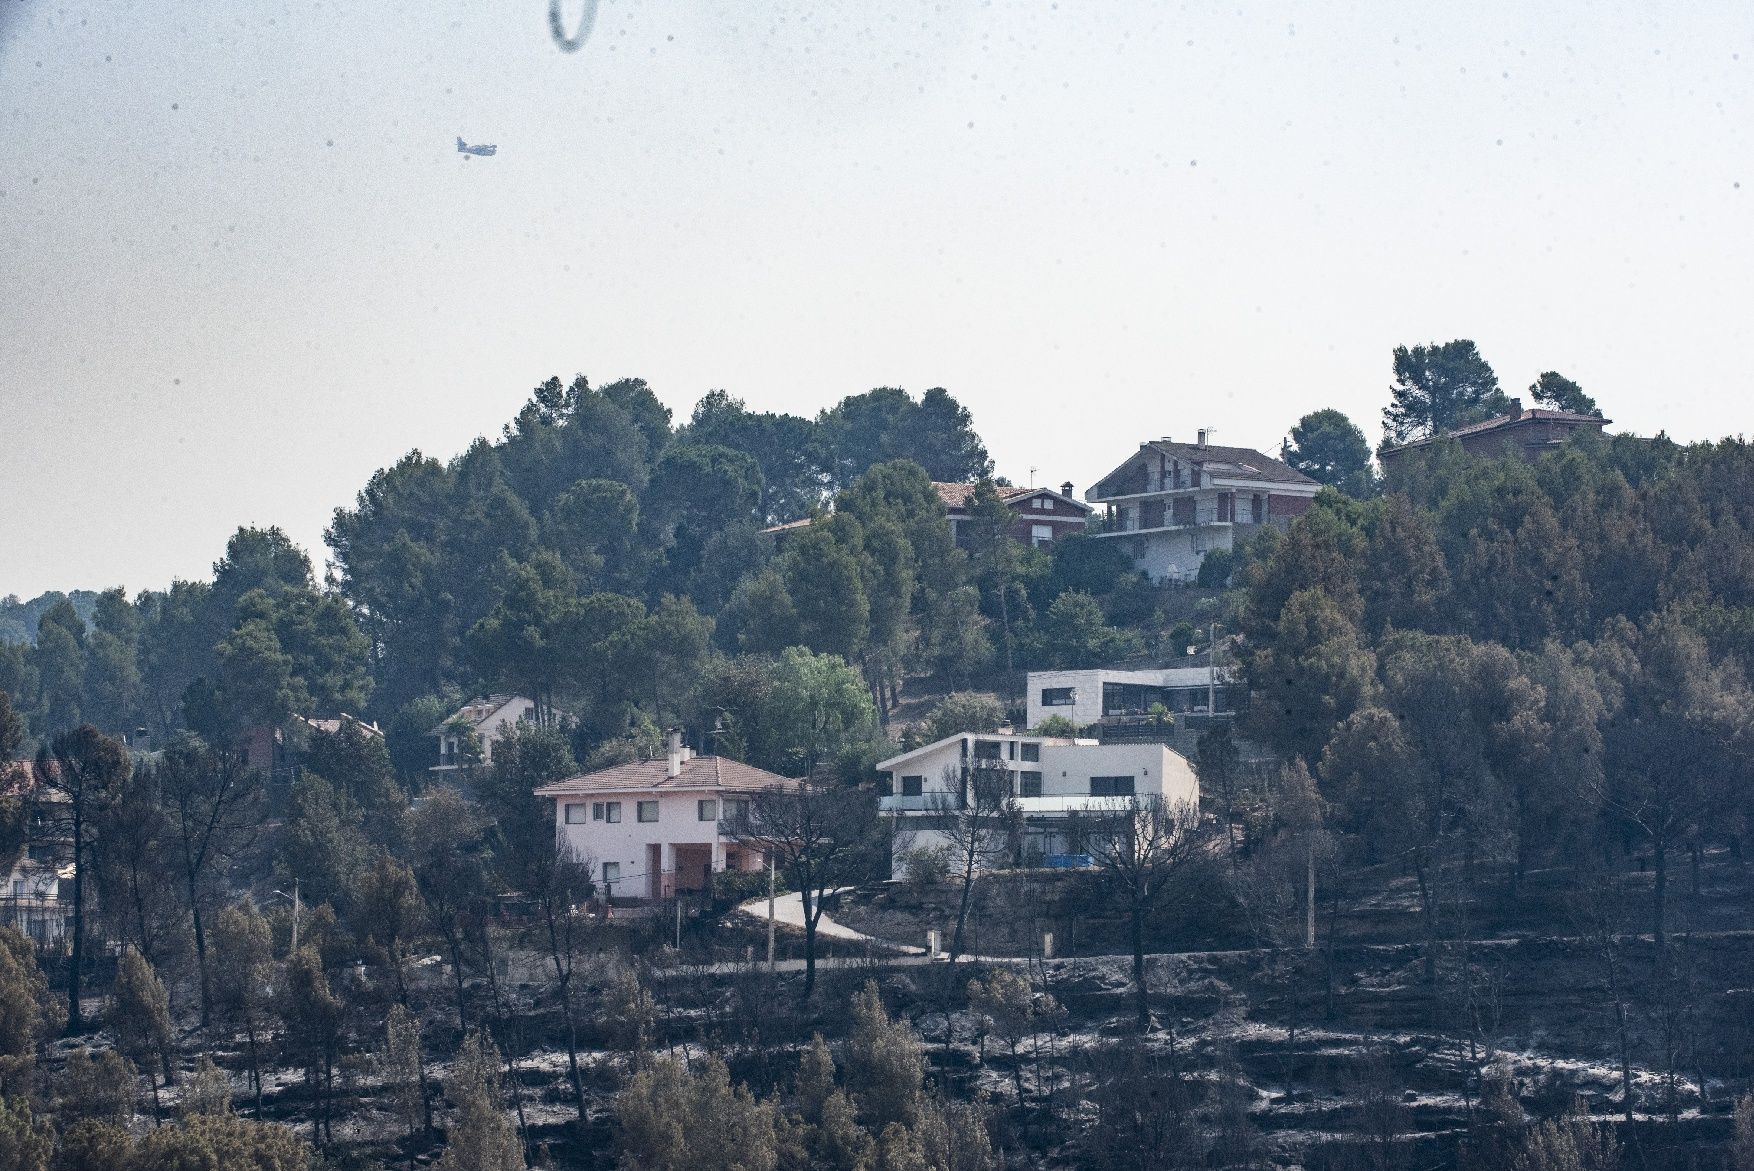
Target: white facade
[[1055, 784], [651, 828], [1079, 695], [677, 849], [489, 719], [30, 902]]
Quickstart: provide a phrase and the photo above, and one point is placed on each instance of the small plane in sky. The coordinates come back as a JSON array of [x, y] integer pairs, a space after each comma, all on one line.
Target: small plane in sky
[[466, 149]]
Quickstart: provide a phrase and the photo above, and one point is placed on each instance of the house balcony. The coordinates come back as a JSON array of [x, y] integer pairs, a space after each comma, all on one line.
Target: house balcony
[[1134, 521]]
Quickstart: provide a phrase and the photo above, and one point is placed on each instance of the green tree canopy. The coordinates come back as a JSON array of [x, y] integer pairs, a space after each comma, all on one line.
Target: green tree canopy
[[1328, 447], [1438, 388]]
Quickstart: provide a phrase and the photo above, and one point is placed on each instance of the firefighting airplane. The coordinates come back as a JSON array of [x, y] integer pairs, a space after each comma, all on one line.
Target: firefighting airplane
[[484, 151]]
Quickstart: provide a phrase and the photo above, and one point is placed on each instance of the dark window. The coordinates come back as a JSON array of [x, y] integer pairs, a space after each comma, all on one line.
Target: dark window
[[575, 814], [1029, 784], [1056, 696], [886, 786], [1111, 786], [1011, 749], [912, 786], [612, 812], [708, 810], [647, 811], [986, 750], [736, 809], [1032, 752]]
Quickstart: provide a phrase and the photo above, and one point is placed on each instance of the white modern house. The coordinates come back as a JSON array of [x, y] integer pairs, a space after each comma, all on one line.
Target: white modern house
[[651, 828], [1056, 786], [1092, 696], [1169, 504], [489, 719]]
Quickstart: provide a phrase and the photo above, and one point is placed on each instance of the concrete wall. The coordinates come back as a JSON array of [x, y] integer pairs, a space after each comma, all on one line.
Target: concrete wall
[[1174, 554], [1086, 707]]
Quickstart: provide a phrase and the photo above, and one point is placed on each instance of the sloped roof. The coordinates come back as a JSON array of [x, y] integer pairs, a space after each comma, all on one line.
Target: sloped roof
[[474, 712], [652, 776], [959, 496], [788, 526], [1513, 418], [336, 724], [1225, 463]]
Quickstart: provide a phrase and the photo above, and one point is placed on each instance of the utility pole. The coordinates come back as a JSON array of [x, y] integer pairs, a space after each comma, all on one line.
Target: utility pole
[[1309, 897], [1212, 674], [770, 886]]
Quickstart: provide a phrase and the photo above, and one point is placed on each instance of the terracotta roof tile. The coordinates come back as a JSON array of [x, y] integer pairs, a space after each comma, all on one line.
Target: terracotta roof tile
[[643, 776], [1531, 415]]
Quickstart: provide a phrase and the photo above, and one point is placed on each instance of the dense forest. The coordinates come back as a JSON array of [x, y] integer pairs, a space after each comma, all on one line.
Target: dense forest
[[1469, 888]]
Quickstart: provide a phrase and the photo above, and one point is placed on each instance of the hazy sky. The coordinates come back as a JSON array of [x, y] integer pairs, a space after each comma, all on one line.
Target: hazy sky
[[242, 264]]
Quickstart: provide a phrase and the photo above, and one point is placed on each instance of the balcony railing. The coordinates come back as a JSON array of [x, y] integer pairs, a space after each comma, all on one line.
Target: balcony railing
[[1130, 521]]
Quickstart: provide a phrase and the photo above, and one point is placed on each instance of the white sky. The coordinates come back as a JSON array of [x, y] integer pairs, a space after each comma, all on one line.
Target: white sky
[[242, 264]]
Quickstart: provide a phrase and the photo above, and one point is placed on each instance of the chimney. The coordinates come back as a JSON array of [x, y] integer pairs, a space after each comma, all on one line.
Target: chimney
[[1516, 408], [674, 764], [1066, 488], [1204, 432]]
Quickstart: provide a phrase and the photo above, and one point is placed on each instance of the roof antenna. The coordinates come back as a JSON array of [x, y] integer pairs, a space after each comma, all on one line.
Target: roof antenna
[[1032, 470]]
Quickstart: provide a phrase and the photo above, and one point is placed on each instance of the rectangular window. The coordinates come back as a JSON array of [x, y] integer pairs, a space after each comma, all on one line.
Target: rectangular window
[[647, 811], [707, 810], [612, 812], [1056, 696], [576, 813], [1011, 749], [736, 809], [913, 786], [1111, 786], [611, 872], [886, 786], [1045, 504], [1031, 752], [596, 811], [986, 750], [1041, 535], [1029, 784]]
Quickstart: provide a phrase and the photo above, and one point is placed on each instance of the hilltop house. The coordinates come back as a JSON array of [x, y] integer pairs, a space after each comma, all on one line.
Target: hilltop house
[[1042, 515], [475, 727], [1169, 504], [652, 828], [1056, 785], [1526, 434]]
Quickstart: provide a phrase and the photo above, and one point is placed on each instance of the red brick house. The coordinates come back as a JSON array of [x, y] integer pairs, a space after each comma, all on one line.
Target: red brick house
[[1525, 434], [1043, 515]]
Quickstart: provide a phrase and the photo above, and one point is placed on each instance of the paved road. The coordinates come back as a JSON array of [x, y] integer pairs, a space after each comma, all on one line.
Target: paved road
[[789, 909]]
